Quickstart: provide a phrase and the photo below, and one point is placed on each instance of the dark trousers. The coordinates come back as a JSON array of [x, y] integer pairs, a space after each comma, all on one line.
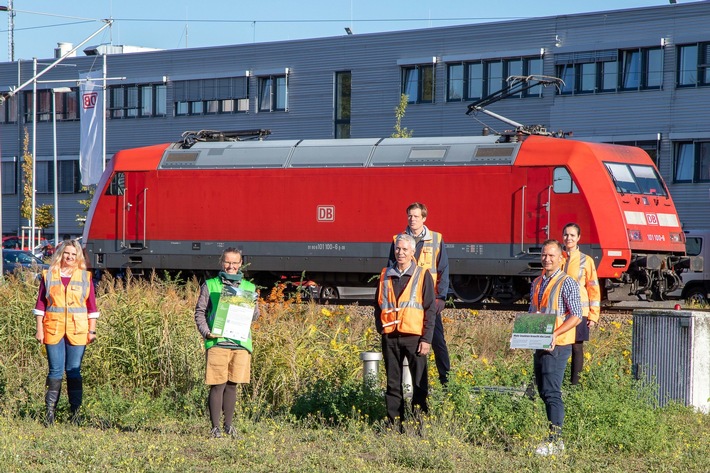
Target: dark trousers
[[395, 349], [549, 368], [441, 351], [577, 361]]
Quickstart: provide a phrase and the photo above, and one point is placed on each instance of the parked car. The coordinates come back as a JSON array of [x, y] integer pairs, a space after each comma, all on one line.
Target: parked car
[[45, 249], [14, 259], [696, 284], [333, 292], [12, 242]]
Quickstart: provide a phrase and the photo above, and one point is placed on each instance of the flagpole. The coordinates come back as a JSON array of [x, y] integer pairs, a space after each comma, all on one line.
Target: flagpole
[[103, 121], [31, 245]]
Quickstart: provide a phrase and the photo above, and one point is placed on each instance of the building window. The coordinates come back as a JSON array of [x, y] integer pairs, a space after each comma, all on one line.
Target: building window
[[211, 96], [631, 69], [67, 105], [587, 77], [137, 101], [493, 80], [692, 162], [532, 67], [610, 70], [693, 65], [455, 83], [9, 178], [273, 93], [418, 83], [69, 178], [8, 110], [475, 80], [343, 88], [650, 147]]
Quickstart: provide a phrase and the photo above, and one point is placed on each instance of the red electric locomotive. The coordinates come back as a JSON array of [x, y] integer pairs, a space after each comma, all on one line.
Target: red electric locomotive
[[330, 208]]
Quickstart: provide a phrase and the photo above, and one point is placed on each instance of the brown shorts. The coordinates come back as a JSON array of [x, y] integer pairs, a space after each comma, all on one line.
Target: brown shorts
[[225, 365]]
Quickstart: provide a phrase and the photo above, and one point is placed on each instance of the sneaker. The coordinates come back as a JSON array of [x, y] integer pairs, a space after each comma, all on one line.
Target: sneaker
[[550, 448], [230, 430], [215, 433]]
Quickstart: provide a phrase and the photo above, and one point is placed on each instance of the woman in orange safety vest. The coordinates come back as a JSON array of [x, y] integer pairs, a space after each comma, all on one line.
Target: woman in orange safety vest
[[581, 267], [66, 322]]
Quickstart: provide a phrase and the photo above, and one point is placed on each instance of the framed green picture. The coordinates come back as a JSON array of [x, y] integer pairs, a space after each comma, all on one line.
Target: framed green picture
[[533, 331]]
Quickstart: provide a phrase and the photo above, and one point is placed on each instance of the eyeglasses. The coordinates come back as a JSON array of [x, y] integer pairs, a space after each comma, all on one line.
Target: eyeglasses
[[232, 263]]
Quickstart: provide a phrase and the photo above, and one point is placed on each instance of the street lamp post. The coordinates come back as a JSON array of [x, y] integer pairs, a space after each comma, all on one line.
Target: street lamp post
[[56, 90]]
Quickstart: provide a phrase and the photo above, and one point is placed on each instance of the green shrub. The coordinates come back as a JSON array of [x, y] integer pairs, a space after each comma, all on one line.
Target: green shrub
[[339, 399]]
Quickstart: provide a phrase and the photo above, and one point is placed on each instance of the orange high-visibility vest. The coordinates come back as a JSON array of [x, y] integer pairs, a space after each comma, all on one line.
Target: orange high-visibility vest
[[549, 305], [581, 268], [429, 256], [66, 312], [406, 313]]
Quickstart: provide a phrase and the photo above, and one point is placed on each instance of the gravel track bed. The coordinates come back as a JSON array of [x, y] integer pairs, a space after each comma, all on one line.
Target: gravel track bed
[[499, 315]]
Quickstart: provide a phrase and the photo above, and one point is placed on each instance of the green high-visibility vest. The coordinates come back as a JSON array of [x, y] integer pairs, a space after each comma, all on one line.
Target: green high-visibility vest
[[215, 286]]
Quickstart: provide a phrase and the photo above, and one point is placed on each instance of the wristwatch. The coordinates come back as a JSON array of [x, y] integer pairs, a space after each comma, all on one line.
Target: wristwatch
[[92, 332]]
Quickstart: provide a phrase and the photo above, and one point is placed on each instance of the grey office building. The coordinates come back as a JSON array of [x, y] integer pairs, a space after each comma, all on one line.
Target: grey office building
[[635, 76]]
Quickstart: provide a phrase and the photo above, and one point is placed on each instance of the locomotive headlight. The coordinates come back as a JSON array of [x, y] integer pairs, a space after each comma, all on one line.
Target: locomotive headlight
[[676, 237], [635, 235]]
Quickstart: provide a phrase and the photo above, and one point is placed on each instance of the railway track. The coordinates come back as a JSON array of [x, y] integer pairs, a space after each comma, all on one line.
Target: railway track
[[462, 310]]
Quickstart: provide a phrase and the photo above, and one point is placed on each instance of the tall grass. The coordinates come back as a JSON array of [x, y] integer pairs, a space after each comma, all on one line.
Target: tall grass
[[144, 376]]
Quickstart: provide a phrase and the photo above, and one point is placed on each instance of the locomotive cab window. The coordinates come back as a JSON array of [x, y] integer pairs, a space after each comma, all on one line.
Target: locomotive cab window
[[693, 246], [635, 179], [563, 183], [118, 184]]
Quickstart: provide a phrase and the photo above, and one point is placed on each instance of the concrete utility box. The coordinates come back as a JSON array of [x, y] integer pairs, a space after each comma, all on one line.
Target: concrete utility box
[[672, 349]]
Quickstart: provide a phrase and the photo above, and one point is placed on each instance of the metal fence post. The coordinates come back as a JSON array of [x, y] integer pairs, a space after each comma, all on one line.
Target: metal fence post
[[407, 390], [370, 365]]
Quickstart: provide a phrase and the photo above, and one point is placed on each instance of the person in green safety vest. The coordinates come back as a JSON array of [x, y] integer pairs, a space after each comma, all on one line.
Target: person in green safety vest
[[228, 360]]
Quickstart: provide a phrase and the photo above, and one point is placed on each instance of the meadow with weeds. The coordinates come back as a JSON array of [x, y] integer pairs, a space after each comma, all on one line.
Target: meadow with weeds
[[307, 408]]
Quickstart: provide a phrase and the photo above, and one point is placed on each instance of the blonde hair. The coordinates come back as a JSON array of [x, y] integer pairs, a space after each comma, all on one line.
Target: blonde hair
[[57, 256]]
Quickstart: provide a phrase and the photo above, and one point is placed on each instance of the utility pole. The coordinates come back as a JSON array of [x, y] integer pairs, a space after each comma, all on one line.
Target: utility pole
[[10, 30]]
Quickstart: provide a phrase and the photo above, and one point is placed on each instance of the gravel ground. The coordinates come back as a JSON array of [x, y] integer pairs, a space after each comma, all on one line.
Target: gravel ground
[[607, 315]]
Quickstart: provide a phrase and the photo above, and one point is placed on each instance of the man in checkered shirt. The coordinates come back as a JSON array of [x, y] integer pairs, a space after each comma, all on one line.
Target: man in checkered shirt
[[554, 292]]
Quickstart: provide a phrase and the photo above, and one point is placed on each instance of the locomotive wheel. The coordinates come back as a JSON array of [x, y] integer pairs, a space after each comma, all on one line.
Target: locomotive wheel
[[697, 297], [328, 292], [469, 288]]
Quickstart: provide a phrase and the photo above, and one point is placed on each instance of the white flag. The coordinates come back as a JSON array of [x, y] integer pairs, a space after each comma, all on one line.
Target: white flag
[[92, 123]]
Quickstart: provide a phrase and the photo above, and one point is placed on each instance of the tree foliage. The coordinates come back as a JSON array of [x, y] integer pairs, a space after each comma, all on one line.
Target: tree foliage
[[399, 112], [44, 216], [85, 203]]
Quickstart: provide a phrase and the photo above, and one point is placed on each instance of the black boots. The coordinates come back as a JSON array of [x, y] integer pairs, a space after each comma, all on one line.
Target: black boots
[[51, 399], [75, 392]]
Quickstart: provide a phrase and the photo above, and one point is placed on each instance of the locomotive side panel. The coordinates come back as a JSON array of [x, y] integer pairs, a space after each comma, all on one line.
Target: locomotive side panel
[[315, 219]]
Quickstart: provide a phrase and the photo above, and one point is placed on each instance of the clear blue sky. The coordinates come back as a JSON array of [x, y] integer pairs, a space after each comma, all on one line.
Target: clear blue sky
[[41, 24]]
